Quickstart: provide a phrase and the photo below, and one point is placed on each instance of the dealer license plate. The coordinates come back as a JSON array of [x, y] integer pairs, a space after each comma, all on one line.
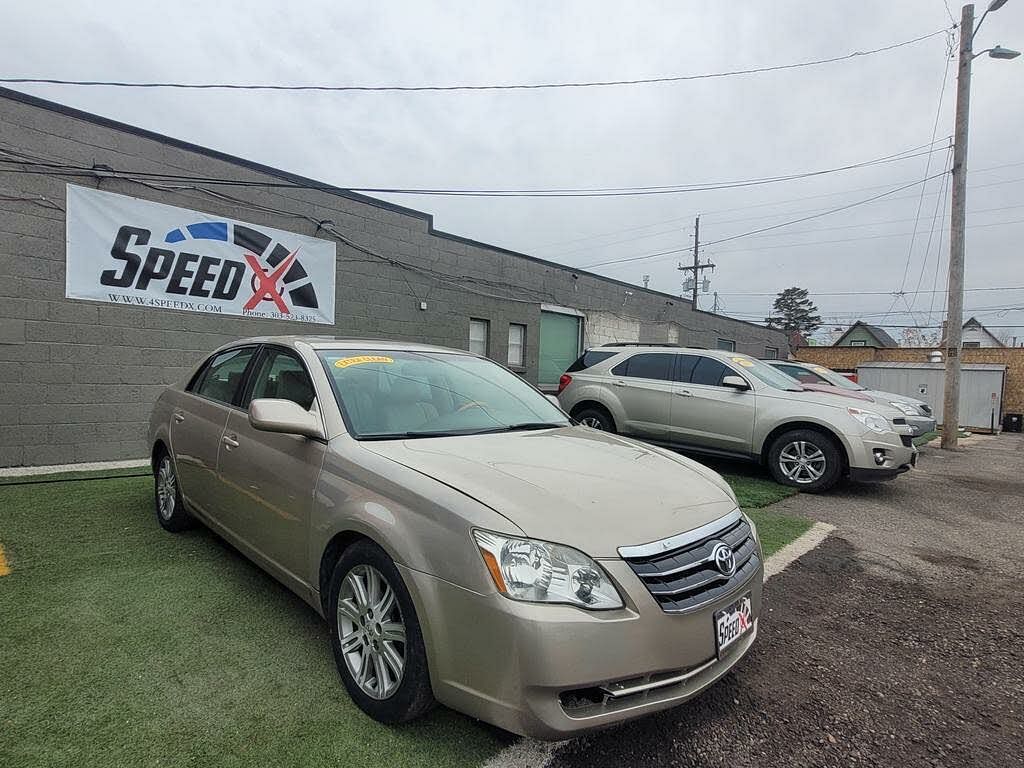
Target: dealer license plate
[[733, 622]]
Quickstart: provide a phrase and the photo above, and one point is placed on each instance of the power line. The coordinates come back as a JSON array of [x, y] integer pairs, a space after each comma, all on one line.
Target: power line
[[974, 172], [881, 293], [554, 192], [464, 87], [766, 229]]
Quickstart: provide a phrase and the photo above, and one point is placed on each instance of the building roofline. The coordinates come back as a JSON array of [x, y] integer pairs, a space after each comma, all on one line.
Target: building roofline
[[89, 117], [869, 328]]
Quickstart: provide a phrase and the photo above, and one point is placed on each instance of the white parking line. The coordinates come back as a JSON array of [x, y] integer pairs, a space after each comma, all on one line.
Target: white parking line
[[530, 753], [53, 469]]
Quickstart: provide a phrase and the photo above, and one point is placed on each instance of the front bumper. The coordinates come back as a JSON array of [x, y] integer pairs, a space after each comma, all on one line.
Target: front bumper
[[882, 457], [534, 669], [920, 425]]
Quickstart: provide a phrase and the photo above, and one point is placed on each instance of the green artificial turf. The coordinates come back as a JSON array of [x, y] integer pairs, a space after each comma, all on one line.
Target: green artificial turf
[[124, 645], [927, 437]]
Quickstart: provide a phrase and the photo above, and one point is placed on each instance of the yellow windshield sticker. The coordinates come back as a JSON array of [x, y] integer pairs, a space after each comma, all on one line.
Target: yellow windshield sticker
[[819, 369], [345, 362], [746, 362]]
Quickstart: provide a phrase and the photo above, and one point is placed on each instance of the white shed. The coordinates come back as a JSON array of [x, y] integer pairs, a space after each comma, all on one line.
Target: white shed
[[981, 388]]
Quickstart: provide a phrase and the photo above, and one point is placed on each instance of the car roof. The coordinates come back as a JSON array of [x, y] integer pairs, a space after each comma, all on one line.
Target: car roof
[[342, 342], [719, 353]]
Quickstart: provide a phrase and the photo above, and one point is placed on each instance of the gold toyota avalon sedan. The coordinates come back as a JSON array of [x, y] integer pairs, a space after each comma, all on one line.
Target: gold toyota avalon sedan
[[466, 542]]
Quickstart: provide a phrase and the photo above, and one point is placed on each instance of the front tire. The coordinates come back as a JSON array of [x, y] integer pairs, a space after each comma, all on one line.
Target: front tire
[[376, 638], [805, 459], [170, 510]]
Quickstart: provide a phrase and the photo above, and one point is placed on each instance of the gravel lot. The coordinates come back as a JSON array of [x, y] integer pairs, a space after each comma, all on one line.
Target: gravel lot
[[896, 643]]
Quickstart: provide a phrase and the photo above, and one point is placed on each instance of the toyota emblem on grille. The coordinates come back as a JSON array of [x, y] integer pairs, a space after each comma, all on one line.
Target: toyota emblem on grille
[[724, 559]]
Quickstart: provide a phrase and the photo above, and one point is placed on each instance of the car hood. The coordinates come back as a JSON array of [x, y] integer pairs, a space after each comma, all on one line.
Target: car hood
[[572, 485], [832, 390], [890, 397]]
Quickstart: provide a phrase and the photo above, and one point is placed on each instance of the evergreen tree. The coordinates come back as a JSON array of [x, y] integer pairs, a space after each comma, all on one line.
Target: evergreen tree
[[794, 311]]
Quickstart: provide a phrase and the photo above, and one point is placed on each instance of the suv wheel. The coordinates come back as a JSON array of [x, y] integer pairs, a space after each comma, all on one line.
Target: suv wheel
[[376, 638], [170, 510], [595, 419], [805, 459]]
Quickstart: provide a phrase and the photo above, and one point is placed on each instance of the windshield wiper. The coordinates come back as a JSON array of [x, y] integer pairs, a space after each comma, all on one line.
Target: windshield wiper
[[412, 434]]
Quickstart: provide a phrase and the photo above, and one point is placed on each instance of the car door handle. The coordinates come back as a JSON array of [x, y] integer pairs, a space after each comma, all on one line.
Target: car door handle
[[684, 393], [178, 418], [619, 383], [230, 442]]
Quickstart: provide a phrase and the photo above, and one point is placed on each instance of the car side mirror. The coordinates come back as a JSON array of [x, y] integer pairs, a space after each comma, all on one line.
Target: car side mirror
[[274, 415], [735, 382]]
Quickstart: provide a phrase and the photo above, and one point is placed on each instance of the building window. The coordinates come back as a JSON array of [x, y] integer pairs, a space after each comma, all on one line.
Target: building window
[[771, 353], [858, 343], [516, 344], [727, 344], [971, 344], [479, 332]]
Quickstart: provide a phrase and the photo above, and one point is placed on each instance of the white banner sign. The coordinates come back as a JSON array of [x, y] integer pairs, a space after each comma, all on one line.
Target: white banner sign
[[123, 250]]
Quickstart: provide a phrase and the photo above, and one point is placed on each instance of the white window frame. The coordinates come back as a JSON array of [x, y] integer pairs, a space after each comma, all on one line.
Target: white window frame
[[521, 344], [477, 322], [731, 348], [858, 343], [771, 353]]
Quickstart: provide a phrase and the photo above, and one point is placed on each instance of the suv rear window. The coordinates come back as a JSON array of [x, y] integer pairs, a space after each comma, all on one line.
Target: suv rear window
[[646, 365], [590, 358]]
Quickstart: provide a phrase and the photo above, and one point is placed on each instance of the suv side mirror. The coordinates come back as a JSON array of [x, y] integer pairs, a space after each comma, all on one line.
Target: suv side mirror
[[274, 415], [735, 382]]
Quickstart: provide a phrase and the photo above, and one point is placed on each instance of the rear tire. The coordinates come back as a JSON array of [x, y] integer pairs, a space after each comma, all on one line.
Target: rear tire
[[805, 459], [376, 637], [170, 509], [595, 418]]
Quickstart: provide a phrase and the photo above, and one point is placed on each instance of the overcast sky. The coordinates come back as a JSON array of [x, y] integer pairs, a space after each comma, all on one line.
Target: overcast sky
[[644, 135]]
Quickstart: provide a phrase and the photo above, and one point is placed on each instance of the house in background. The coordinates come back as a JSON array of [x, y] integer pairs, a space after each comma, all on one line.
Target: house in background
[[861, 334], [977, 335]]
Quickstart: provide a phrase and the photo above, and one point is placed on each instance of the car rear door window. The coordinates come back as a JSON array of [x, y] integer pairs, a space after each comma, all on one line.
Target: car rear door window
[[646, 365], [281, 375], [708, 371], [684, 367], [223, 375]]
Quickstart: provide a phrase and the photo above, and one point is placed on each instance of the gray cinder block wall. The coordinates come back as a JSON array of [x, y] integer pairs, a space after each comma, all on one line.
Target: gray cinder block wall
[[77, 378]]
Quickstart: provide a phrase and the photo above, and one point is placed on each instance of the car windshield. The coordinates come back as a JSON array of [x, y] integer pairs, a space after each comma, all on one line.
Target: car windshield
[[766, 373], [836, 379], [388, 394]]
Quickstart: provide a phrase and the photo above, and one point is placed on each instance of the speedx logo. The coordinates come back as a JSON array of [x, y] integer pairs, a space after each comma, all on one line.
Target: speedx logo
[[274, 272]]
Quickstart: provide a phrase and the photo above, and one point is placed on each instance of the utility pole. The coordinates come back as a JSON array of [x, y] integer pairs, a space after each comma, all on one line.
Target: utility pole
[[958, 215], [955, 288], [697, 267]]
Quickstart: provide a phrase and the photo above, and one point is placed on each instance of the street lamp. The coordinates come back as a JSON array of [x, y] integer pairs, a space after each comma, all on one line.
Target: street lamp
[[955, 298]]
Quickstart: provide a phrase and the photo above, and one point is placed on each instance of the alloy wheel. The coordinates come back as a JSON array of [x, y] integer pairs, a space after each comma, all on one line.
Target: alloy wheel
[[802, 462], [371, 631], [591, 421], [166, 488]]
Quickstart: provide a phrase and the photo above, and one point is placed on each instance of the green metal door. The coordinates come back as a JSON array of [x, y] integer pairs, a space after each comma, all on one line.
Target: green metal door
[[559, 346]]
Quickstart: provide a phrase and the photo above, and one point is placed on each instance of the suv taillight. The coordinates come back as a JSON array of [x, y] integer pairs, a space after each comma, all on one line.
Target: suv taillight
[[564, 382]]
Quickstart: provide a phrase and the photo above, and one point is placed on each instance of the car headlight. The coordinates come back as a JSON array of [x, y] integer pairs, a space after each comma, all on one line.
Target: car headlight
[[906, 408], [541, 572], [873, 421]]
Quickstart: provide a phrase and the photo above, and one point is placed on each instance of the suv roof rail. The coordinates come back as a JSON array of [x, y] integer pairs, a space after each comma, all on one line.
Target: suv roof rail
[[644, 344]]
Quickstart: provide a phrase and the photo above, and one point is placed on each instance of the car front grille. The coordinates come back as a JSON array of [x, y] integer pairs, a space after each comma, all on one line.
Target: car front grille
[[681, 573]]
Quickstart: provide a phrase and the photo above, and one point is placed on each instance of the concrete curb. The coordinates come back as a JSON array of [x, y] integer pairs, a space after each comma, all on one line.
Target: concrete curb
[[530, 753], [53, 469]]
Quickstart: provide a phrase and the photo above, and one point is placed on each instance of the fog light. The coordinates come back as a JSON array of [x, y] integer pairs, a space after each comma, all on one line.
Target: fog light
[[879, 456]]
